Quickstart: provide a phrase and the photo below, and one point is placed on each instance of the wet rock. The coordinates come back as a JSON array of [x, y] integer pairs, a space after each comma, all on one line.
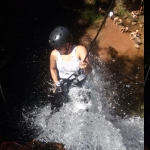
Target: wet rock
[[33, 145], [54, 146], [10, 145]]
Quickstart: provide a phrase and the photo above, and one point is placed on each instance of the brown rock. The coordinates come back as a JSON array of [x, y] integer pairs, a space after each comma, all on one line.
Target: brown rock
[[33, 145], [10, 146]]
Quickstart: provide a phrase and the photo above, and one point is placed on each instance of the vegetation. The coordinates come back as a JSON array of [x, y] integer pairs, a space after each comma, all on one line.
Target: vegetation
[[121, 10], [91, 15], [122, 7], [91, 12]]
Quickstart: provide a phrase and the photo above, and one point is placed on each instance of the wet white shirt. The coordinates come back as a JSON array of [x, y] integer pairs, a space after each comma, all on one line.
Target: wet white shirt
[[67, 68]]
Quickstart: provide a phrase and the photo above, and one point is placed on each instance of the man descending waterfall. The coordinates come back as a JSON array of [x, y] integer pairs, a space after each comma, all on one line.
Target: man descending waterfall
[[67, 64]]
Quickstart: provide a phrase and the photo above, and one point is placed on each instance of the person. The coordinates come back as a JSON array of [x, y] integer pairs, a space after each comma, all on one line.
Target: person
[[110, 15], [116, 20], [134, 34], [119, 22], [101, 11], [134, 16], [66, 58], [124, 29]]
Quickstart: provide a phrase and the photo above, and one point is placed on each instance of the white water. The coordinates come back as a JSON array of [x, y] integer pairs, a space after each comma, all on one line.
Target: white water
[[86, 121]]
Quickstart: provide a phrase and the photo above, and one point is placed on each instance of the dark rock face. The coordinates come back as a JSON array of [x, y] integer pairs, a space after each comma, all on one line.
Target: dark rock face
[[33, 145]]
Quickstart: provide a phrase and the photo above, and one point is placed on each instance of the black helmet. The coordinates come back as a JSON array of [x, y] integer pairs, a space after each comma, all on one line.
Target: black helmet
[[59, 36]]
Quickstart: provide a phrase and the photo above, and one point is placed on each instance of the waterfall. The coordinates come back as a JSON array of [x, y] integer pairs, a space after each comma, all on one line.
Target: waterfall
[[87, 121]]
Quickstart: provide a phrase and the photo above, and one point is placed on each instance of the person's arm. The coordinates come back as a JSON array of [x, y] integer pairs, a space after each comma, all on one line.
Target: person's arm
[[53, 68], [82, 51]]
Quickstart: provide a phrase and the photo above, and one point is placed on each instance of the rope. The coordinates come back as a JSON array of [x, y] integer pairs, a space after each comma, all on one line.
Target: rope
[[94, 40], [103, 22], [4, 99], [147, 74]]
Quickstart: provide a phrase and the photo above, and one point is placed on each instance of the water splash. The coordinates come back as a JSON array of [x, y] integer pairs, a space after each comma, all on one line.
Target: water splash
[[87, 121]]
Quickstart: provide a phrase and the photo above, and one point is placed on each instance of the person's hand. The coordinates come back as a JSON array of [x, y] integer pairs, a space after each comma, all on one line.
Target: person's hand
[[55, 86], [83, 65]]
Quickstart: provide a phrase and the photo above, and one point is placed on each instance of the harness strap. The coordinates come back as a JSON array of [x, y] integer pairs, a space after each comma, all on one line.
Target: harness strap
[[75, 80]]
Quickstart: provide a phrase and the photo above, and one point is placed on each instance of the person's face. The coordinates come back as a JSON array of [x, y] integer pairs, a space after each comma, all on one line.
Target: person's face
[[63, 49]]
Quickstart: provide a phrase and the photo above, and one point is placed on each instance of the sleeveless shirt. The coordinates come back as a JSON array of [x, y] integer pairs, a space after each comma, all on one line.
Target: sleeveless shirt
[[67, 68]]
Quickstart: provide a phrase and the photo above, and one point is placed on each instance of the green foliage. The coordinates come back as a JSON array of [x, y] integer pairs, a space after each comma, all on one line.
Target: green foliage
[[121, 9], [91, 15]]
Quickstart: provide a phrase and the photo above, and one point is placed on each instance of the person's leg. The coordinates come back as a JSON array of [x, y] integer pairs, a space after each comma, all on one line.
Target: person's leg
[[59, 100]]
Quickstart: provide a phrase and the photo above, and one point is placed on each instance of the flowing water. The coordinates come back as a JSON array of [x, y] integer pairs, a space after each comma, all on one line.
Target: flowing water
[[89, 120]]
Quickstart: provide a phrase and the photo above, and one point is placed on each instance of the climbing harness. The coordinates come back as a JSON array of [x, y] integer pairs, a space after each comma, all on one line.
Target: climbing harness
[[75, 80]]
